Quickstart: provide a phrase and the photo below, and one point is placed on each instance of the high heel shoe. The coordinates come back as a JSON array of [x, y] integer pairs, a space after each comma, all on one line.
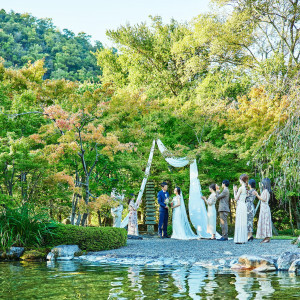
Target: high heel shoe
[[250, 239]]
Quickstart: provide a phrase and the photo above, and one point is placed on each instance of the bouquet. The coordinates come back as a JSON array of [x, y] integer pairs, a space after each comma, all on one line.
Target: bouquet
[[168, 202]]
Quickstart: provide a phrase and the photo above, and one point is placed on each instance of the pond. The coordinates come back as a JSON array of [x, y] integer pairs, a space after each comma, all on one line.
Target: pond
[[72, 280]]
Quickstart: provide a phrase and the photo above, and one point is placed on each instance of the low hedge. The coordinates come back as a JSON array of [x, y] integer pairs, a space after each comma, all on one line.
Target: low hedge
[[87, 238]]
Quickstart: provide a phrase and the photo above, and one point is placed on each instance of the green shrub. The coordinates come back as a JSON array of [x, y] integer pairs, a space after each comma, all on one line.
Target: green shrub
[[169, 230], [87, 238], [22, 227]]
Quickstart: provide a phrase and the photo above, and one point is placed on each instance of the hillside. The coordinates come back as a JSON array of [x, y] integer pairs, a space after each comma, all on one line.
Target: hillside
[[24, 38]]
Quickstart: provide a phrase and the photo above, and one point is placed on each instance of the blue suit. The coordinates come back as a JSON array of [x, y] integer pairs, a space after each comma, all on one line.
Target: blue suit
[[163, 213]]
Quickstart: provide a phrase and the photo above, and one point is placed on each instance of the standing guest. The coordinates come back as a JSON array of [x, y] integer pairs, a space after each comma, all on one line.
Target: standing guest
[[224, 210], [211, 211], [241, 232], [132, 218], [264, 226], [250, 208], [162, 196]]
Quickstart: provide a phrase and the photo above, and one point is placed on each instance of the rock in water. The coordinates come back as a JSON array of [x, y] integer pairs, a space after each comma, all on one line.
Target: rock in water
[[50, 256], [13, 253], [286, 259], [255, 263], [295, 267], [63, 252]]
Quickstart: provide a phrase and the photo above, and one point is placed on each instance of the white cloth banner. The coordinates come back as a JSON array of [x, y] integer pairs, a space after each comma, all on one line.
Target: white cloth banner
[[124, 223], [197, 209]]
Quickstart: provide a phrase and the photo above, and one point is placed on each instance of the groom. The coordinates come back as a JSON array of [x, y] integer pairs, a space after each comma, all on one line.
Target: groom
[[163, 211]]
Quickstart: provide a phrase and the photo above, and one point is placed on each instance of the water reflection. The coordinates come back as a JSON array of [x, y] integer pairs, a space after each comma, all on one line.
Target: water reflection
[[72, 280]]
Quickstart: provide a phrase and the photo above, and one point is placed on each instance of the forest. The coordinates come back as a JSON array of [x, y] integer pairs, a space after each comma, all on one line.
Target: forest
[[24, 38], [78, 119]]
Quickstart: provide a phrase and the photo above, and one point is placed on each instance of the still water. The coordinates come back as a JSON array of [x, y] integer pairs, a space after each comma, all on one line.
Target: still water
[[72, 280]]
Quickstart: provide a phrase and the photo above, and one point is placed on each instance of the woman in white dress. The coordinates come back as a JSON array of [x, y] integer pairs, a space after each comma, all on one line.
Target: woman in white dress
[[241, 230], [180, 224], [211, 211], [264, 225]]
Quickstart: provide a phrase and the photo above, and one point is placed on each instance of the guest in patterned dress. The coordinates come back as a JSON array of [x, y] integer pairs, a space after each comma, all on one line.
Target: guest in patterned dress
[[264, 226], [132, 219], [250, 208]]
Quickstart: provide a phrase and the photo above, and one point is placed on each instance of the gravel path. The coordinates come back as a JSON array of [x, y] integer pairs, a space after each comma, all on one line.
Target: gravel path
[[199, 250]]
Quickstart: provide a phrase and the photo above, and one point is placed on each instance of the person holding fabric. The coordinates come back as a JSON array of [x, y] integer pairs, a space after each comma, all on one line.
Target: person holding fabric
[[163, 198], [224, 210], [132, 219], [180, 223], [264, 225], [211, 211]]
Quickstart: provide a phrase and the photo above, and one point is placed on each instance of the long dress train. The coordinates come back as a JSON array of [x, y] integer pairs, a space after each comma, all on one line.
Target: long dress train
[[180, 224]]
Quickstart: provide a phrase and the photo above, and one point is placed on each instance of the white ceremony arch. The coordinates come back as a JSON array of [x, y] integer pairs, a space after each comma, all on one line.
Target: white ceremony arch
[[197, 209]]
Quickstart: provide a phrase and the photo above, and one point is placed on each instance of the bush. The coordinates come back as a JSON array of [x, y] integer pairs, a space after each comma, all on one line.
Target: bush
[[22, 227], [87, 238], [169, 230]]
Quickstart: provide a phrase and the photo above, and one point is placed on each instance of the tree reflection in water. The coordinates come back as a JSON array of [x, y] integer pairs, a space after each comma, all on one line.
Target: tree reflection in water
[[73, 280]]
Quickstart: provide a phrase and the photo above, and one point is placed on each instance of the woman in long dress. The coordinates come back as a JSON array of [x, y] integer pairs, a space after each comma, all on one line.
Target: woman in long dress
[[250, 208], [211, 211], [180, 224], [241, 231], [264, 226], [132, 218]]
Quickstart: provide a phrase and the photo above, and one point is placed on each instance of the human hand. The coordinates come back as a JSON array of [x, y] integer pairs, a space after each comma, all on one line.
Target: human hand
[[217, 187], [235, 188]]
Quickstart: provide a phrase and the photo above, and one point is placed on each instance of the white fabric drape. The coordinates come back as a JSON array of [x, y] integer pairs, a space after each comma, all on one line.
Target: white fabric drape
[[175, 162], [197, 209], [124, 223]]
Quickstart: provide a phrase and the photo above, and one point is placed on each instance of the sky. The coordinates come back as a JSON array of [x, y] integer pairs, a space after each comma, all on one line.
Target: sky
[[94, 17]]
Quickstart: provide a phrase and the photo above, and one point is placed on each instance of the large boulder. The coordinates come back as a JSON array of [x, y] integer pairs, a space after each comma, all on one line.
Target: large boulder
[[286, 259], [295, 267], [63, 252], [14, 253], [255, 263]]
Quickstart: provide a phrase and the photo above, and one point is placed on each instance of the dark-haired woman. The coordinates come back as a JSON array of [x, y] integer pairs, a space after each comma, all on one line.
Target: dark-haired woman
[[264, 226], [241, 232], [211, 211], [250, 208]]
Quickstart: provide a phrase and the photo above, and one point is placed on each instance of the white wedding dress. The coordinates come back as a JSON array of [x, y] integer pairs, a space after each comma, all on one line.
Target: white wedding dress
[[180, 224], [241, 229]]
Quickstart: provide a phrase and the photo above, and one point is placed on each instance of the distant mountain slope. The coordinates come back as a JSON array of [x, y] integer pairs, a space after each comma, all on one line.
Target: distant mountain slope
[[24, 37]]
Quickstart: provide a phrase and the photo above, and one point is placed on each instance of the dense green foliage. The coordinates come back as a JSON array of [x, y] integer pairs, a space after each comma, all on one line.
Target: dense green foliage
[[223, 89], [22, 227], [25, 38], [87, 238]]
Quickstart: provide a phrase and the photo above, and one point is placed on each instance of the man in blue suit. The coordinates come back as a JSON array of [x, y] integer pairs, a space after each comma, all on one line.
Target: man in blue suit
[[163, 211]]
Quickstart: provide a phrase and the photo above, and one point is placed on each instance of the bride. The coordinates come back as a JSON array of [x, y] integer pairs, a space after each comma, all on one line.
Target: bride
[[181, 227]]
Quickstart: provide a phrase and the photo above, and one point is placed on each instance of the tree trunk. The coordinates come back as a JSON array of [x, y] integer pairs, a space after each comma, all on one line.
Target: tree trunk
[[78, 220], [99, 217], [295, 207], [74, 207], [291, 216], [84, 218]]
